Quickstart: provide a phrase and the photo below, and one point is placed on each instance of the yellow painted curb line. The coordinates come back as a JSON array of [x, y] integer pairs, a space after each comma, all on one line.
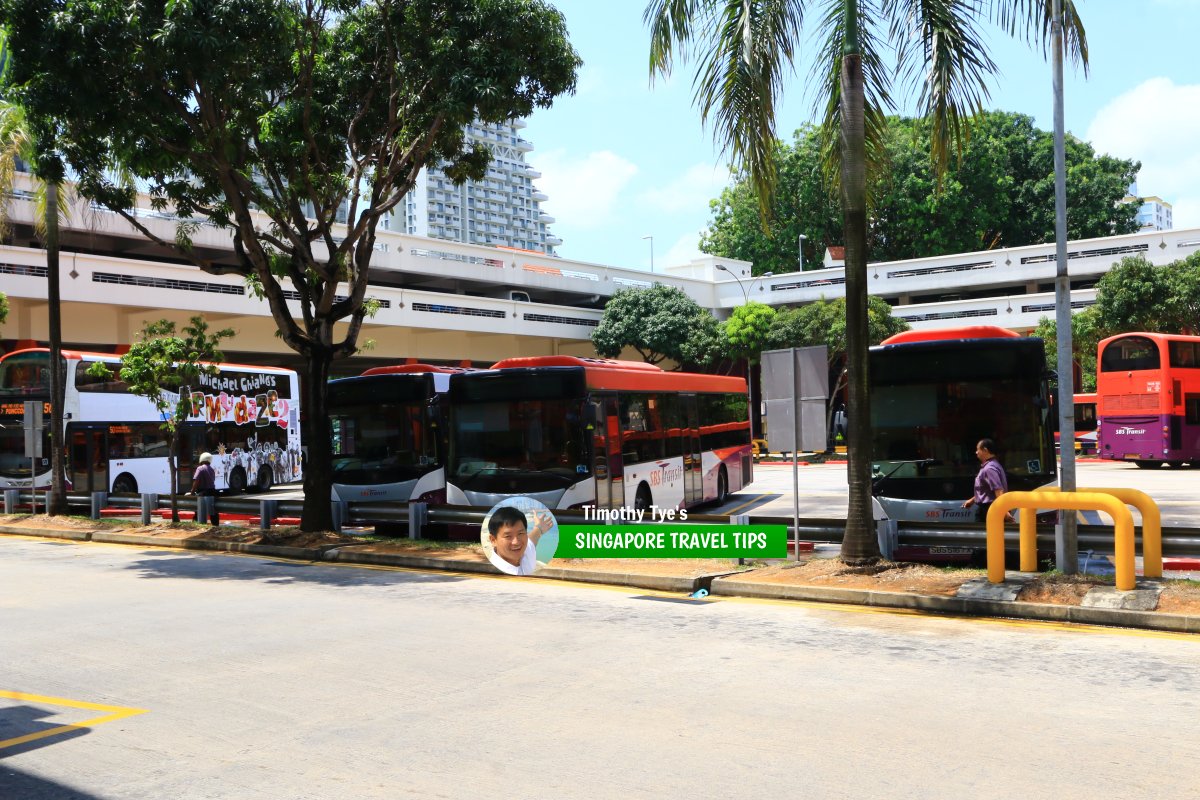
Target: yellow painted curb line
[[115, 713]]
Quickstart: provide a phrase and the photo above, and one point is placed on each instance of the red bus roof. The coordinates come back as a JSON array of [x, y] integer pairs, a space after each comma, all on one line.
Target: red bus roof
[[602, 373], [404, 369], [1085, 397], [1159, 338], [949, 334]]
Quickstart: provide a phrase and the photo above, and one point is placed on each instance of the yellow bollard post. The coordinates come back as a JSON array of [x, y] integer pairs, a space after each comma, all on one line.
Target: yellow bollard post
[[1028, 540], [1067, 501], [995, 534], [1151, 523]]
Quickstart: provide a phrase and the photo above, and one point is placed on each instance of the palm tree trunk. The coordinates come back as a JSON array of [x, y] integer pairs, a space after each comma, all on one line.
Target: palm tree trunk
[[57, 503], [859, 544]]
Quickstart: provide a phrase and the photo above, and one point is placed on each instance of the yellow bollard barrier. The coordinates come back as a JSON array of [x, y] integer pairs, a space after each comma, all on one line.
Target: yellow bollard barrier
[[1152, 564], [1065, 501]]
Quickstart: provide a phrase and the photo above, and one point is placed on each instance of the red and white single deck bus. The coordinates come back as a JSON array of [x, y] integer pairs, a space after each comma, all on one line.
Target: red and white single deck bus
[[1148, 388], [389, 433], [246, 416], [581, 432]]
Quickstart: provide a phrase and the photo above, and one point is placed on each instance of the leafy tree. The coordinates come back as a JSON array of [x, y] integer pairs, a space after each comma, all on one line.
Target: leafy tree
[[1000, 193], [747, 329], [660, 323], [3, 307], [1135, 295], [824, 323], [1086, 333], [158, 365], [1184, 280], [743, 50], [292, 126], [16, 149], [705, 344]]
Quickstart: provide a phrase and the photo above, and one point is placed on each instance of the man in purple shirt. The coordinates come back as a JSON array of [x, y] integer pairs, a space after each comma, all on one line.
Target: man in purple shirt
[[991, 482]]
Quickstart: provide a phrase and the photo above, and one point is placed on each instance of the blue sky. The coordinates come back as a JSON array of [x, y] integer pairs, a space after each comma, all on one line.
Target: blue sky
[[623, 159]]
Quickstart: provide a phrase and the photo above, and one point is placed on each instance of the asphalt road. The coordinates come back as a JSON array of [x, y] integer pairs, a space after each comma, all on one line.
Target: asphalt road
[[262, 679]]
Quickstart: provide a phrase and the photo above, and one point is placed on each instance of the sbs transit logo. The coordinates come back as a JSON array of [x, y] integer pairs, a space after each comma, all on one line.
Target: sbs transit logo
[[665, 472]]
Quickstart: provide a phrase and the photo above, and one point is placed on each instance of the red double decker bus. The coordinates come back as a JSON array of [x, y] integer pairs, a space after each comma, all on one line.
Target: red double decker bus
[[1148, 391]]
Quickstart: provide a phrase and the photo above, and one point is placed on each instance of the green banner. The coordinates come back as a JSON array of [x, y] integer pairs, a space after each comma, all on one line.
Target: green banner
[[665, 540]]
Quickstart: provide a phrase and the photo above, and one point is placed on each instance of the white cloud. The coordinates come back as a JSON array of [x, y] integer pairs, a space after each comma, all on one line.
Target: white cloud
[[688, 193], [1157, 123], [584, 192], [686, 248]]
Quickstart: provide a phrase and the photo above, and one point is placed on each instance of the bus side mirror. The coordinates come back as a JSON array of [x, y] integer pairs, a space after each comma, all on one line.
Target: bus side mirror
[[1040, 402]]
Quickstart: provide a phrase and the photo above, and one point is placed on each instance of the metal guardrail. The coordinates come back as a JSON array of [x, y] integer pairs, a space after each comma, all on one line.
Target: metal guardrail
[[1176, 541]]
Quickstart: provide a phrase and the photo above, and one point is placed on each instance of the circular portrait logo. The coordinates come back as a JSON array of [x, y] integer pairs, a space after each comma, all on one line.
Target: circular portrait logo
[[519, 535]]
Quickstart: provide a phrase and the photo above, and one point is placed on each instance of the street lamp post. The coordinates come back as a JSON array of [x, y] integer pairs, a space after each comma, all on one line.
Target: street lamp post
[[745, 298], [802, 238], [651, 238]]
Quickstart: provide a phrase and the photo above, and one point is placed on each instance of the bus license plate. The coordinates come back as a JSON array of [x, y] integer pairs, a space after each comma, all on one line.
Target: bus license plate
[[949, 551], [1132, 457]]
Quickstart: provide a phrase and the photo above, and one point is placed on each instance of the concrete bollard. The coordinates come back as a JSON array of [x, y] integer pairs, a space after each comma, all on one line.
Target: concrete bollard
[[418, 518], [340, 512], [12, 499], [99, 501], [149, 503], [267, 511]]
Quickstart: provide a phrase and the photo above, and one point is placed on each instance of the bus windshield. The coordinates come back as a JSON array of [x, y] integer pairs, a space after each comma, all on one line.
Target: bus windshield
[[25, 374], [379, 443], [492, 441], [930, 404]]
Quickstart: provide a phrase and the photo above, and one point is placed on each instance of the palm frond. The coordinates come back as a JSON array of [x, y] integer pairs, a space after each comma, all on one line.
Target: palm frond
[[743, 50], [942, 53], [1033, 21], [671, 29], [877, 85]]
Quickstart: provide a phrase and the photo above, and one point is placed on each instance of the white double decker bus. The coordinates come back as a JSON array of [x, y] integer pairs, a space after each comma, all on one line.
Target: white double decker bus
[[248, 417]]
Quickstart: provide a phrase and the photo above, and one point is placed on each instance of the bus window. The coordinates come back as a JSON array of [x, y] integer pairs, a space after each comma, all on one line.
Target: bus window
[[1129, 354], [1185, 355]]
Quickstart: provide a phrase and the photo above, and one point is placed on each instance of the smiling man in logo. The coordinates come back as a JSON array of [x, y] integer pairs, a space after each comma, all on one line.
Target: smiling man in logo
[[514, 545]]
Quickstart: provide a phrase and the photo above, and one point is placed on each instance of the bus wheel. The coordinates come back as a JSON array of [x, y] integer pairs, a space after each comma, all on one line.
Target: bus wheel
[[237, 480], [265, 479], [124, 484], [643, 499], [722, 487], [1148, 464]]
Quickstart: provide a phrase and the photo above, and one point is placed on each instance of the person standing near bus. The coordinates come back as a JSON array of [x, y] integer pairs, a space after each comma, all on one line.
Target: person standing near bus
[[991, 482], [204, 484]]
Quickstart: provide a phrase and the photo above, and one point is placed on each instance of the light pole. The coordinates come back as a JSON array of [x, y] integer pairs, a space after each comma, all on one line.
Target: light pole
[[651, 238], [749, 372], [802, 238], [724, 268]]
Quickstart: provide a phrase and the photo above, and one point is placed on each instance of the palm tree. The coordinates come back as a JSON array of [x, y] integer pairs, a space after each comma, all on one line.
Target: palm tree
[[16, 149], [742, 49]]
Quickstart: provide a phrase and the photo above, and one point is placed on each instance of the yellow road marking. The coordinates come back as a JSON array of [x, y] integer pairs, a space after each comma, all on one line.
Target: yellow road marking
[[736, 509], [114, 713]]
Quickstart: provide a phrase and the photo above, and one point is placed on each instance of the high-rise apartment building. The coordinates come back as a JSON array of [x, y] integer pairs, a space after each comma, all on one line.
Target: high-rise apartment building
[[502, 209], [1154, 213]]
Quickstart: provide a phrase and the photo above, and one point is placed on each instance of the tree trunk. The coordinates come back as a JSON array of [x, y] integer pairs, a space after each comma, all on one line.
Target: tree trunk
[[317, 438], [57, 502], [859, 543], [173, 465]]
